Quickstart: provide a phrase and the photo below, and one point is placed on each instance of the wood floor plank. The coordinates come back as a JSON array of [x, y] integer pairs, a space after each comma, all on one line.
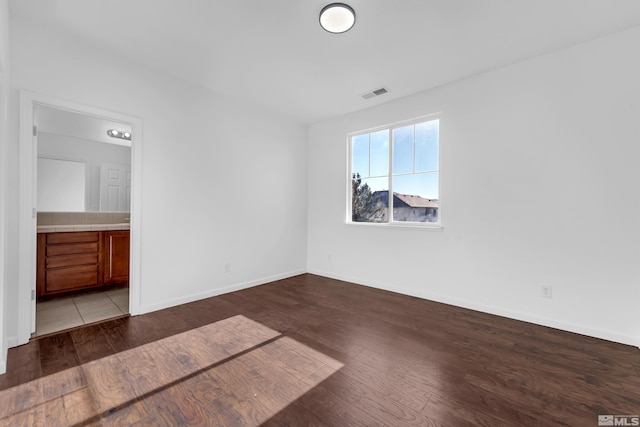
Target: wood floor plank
[[335, 411], [294, 415], [203, 312], [74, 408], [128, 332], [549, 402], [57, 353], [314, 351], [22, 398], [243, 377], [23, 365], [419, 373], [176, 406], [214, 396], [282, 355], [111, 383], [477, 400], [135, 413], [63, 382], [91, 343], [385, 410], [139, 365], [33, 417], [181, 357], [385, 382], [538, 388], [450, 412]]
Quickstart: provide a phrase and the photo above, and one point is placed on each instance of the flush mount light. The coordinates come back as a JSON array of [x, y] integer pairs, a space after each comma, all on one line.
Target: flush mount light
[[114, 133], [337, 18]]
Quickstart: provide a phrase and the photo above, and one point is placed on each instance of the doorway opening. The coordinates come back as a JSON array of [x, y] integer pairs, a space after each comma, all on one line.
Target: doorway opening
[[83, 200], [79, 215]]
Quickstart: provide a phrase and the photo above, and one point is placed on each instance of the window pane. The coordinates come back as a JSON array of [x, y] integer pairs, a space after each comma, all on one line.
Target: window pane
[[427, 146], [377, 184], [419, 184], [412, 178], [360, 155], [369, 199], [380, 153], [403, 150], [416, 197]]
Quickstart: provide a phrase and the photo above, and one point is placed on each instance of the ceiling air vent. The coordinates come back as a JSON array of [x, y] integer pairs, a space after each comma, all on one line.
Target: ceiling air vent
[[375, 93]]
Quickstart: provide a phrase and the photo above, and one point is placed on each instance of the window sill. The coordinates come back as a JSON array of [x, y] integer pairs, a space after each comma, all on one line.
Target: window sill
[[412, 225]]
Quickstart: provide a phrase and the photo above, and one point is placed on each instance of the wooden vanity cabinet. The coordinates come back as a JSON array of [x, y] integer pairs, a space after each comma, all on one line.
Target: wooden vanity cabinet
[[73, 261]]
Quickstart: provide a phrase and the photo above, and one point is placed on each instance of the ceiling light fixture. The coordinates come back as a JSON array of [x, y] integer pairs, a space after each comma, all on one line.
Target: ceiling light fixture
[[337, 18], [114, 133]]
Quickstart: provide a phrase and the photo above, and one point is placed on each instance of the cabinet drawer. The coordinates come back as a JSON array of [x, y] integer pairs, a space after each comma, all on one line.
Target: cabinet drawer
[[71, 260], [72, 248], [75, 237], [62, 279]]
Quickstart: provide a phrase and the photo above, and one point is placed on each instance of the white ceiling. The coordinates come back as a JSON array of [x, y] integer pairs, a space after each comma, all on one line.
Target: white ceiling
[[274, 53]]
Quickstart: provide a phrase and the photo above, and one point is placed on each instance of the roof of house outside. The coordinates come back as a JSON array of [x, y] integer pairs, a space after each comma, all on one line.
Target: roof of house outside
[[405, 200]]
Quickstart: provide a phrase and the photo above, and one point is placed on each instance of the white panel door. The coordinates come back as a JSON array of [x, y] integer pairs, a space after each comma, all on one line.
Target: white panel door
[[115, 188]]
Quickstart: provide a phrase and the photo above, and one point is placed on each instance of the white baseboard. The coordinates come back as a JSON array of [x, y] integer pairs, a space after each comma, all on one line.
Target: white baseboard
[[218, 291], [498, 311]]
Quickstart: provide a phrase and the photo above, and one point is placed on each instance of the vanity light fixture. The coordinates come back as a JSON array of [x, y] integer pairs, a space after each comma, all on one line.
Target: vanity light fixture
[[114, 133], [337, 18]]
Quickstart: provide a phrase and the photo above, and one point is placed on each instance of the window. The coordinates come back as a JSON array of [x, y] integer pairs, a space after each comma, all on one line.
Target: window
[[395, 174]]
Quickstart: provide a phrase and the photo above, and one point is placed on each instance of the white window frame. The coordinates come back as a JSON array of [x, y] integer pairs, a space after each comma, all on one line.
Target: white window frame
[[435, 226]]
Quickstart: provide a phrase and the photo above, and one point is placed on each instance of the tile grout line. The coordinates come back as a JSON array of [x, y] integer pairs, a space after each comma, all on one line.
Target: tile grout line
[[105, 301], [118, 305], [54, 309], [78, 310]]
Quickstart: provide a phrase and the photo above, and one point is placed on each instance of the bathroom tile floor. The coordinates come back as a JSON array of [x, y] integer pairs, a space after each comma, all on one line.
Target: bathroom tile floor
[[66, 313]]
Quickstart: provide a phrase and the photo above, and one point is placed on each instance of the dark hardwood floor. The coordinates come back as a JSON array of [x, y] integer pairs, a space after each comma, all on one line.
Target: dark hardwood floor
[[315, 351]]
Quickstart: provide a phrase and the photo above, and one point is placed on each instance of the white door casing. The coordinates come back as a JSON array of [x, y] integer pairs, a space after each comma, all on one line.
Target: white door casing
[[27, 203]]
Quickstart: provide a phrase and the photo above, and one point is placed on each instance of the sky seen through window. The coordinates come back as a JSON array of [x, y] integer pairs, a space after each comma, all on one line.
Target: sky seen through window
[[415, 163]]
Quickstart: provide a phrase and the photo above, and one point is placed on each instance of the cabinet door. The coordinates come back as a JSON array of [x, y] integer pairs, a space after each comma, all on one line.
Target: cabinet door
[[116, 256]]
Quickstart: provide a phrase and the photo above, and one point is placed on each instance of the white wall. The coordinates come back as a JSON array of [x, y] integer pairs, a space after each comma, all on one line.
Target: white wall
[[4, 103], [539, 186], [221, 182]]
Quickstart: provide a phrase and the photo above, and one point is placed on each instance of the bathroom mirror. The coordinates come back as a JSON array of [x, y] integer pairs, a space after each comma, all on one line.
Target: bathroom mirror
[[80, 167], [61, 185]]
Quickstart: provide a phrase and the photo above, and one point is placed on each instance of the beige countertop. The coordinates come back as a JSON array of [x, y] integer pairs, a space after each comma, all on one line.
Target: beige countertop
[[82, 227]]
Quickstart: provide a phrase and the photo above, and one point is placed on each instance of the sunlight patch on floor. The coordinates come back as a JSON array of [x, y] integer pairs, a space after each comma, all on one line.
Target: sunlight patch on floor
[[234, 370]]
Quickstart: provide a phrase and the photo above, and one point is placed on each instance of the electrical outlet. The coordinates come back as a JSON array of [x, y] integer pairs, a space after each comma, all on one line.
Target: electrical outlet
[[227, 268], [545, 291], [329, 257]]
